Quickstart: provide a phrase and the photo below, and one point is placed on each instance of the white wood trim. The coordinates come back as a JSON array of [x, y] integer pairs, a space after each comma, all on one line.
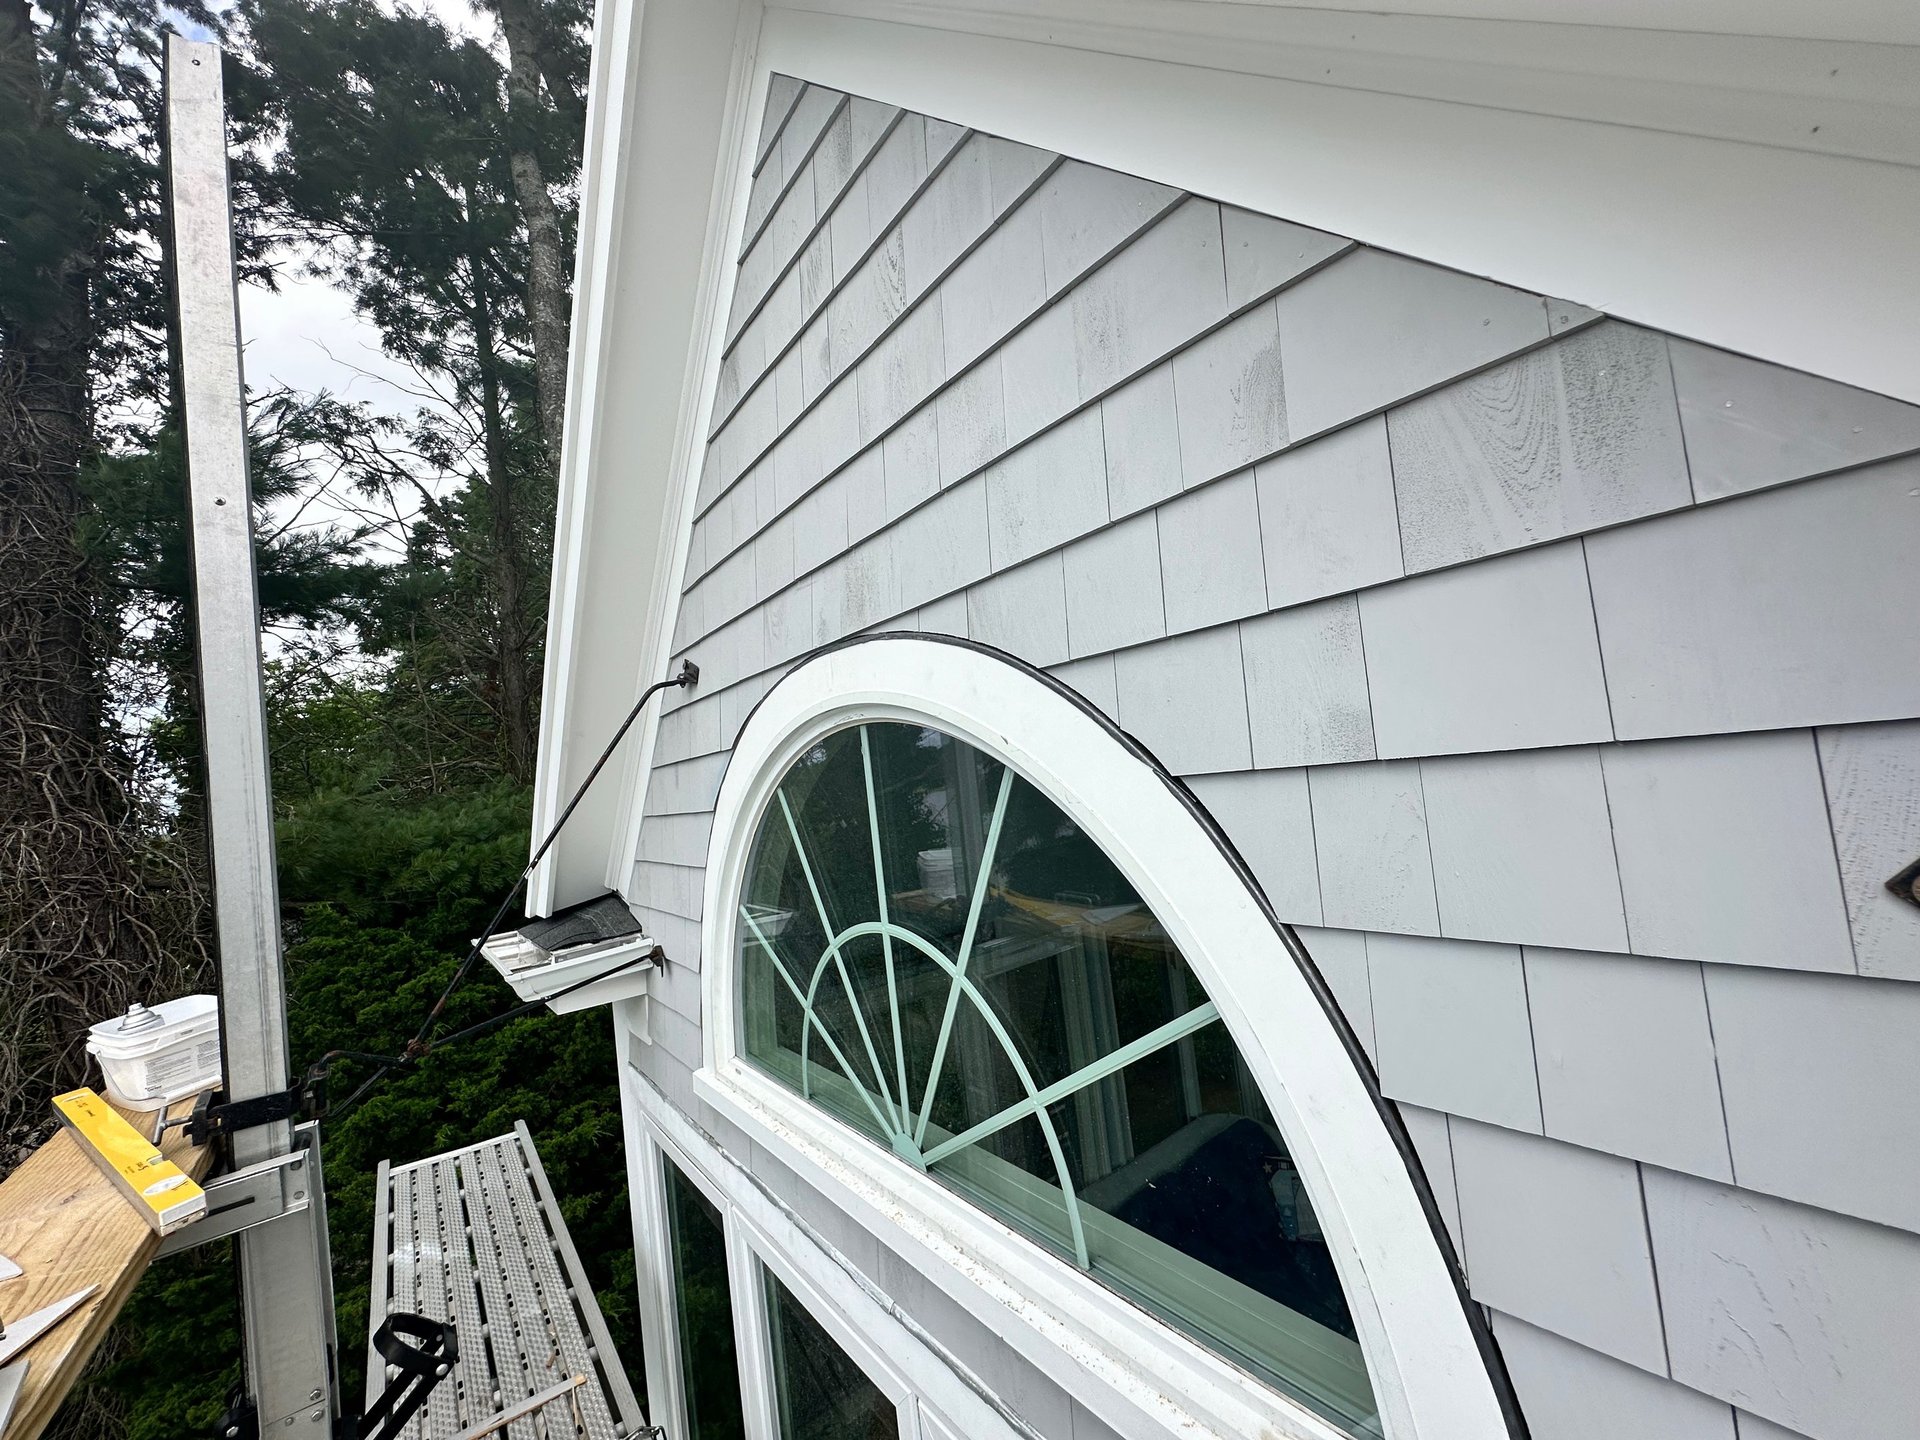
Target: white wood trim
[[672, 84], [1427, 1373], [752, 1340], [853, 1311], [653, 1266], [1829, 96]]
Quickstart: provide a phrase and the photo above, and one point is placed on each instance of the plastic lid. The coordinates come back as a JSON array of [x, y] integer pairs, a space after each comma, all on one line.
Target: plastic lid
[[145, 1029]]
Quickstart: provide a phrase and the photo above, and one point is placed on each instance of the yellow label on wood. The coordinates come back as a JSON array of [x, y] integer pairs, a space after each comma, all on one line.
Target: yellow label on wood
[[165, 1196]]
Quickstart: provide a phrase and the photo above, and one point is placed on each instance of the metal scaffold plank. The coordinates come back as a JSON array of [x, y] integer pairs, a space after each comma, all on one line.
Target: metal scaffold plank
[[474, 1237]]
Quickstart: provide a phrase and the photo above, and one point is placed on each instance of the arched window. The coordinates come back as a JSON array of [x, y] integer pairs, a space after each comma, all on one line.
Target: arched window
[[933, 951]]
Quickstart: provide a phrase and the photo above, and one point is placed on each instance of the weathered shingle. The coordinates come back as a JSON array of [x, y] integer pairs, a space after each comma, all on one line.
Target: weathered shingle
[[1801, 1316], [1569, 1392], [1269, 818], [1495, 656], [1373, 328], [1626, 1055], [1822, 1082], [1725, 852], [1557, 1236], [1766, 611], [1327, 517], [1450, 1025], [1582, 434], [1750, 424], [1370, 823], [1523, 848]]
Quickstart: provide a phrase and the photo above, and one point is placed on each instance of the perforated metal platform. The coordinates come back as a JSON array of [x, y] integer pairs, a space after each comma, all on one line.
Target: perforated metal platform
[[475, 1237]]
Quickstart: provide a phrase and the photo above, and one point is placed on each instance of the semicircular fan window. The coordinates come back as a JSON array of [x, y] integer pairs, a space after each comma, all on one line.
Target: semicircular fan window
[[936, 954]]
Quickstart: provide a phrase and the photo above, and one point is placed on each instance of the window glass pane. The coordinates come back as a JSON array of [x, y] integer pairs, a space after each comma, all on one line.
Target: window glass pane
[[705, 1299], [822, 1394], [915, 910]]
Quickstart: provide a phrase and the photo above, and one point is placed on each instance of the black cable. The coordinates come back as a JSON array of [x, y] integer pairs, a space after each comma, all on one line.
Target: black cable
[[422, 1043], [390, 1063]]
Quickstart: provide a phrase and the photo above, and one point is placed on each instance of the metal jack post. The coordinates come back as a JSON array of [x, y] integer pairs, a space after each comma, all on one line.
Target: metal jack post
[[285, 1268]]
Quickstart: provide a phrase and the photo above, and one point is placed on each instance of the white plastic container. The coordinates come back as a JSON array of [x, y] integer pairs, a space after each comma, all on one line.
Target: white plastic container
[[153, 1057]]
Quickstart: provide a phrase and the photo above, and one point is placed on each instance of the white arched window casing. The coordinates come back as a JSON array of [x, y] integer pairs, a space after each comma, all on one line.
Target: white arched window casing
[[1426, 1358]]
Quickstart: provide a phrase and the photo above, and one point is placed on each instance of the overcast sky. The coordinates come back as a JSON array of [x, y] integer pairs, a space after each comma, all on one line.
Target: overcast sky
[[305, 334]]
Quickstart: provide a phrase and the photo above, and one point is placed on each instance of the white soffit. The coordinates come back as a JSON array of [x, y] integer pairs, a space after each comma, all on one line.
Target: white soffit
[[1769, 211]]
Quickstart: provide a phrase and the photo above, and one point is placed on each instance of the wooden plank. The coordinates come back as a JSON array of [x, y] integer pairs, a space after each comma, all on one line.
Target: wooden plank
[[67, 1227]]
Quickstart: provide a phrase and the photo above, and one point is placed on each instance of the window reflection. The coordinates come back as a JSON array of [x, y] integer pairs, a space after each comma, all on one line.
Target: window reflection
[[820, 1392], [936, 953]]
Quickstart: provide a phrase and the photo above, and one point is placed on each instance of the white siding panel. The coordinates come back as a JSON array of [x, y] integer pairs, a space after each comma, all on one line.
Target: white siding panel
[[1154, 296], [1022, 611], [1327, 516], [1230, 399], [1264, 253], [1113, 587], [1557, 1236], [1269, 817], [1495, 656], [1086, 212], [1210, 558], [1569, 1392], [1143, 442], [1626, 1053], [1803, 1317], [1772, 610], [1450, 1022], [1185, 700], [1725, 852], [1750, 424], [1523, 849], [1374, 328], [1822, 1078], [1049, 492], [1872, 775], [1582, 434], [1307, 685], [1370, 825]]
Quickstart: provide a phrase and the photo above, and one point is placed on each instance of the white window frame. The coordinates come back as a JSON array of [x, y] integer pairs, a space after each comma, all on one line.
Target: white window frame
[[933, 1402], [1137, 1373]]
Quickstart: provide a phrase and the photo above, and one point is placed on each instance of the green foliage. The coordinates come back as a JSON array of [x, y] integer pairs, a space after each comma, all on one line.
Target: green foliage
[[388, 891]]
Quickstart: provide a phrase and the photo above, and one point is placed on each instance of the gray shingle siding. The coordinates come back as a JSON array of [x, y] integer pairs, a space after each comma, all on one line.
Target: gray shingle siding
[[1545, 669]]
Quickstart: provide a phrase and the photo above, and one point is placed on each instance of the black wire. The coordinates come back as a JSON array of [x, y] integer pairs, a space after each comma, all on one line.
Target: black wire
[[390, 1063], [422, 1042]]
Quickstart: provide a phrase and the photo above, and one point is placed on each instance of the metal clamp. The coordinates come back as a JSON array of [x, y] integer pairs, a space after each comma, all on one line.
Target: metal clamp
[[253, 1196]]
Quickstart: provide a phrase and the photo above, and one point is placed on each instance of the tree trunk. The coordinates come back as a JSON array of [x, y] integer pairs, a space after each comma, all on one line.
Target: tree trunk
[[509, 584], [547, 304], [78, 931]]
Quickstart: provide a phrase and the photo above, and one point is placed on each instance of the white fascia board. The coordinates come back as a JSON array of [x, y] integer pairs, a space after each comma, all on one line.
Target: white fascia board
[[1830, 96], [667, 97], [1871, 20]]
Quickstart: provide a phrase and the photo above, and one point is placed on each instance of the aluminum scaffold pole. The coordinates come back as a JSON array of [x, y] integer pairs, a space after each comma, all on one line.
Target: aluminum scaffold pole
[[285, 1270]]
